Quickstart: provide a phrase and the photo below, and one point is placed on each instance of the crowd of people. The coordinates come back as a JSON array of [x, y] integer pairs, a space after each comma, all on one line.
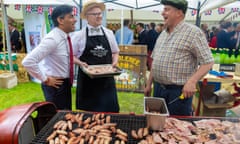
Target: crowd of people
[[225, 35], [142, 35]]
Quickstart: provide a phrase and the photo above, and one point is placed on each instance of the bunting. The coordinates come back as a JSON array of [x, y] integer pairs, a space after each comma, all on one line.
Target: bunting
[[28, 9], [110, 10], [209, 12], [17, 7], [234, 9], [50, 10], [194, 12], [39, 9], [75, 11], [221, 10]]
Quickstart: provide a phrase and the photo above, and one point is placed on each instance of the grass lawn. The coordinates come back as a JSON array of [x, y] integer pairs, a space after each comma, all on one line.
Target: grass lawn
[[31, 92]]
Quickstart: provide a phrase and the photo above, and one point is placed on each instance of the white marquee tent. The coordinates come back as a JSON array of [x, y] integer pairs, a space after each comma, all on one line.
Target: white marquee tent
[[154, 5], [151, 4], [132, 4], [126, 4]]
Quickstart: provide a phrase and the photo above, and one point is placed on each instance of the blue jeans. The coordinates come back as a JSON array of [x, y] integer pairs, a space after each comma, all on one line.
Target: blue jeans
[[169, 93]]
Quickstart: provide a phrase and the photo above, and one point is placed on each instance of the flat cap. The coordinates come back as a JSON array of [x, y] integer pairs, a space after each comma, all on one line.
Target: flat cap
[[179, 4]]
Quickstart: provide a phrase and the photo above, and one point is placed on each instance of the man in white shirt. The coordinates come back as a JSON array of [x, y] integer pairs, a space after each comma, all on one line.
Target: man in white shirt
[[54, 50], [95, 45]]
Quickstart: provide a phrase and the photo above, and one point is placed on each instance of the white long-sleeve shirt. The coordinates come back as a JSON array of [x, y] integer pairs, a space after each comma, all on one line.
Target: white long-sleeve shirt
[[54, 51]]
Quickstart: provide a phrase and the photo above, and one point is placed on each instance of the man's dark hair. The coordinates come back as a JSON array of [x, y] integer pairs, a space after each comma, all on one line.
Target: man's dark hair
[[60, 11], [12, 24], [126, 22], [152, 25], [235, 24], [141, 25], [226, 24], [214, 28], [161, 24]]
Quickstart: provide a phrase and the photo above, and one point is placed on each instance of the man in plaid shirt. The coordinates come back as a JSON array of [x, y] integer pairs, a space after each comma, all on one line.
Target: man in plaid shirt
[[181, 57]]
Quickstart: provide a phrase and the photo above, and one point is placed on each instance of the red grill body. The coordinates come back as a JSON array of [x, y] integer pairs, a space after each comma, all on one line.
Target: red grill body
[[17, 126]]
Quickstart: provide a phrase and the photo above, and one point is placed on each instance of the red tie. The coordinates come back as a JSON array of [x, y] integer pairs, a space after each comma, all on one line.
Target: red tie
[[71, 59]]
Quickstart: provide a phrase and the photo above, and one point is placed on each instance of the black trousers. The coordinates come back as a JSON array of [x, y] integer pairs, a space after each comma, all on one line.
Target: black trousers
[[97, 94], [61, 97]]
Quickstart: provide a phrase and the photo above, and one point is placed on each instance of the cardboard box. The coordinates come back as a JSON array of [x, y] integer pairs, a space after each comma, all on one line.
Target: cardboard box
[[8, 80], [212, 104], [215, 110], [156, 112]]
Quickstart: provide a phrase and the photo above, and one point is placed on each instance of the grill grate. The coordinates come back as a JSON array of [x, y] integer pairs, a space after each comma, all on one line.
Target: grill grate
[[124, 122]]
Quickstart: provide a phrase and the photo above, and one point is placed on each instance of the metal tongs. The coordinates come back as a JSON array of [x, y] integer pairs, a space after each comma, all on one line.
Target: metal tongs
[[181, 97]]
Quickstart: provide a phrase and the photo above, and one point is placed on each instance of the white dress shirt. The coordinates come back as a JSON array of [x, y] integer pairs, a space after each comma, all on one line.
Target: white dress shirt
[[79, 39], [54, 51]]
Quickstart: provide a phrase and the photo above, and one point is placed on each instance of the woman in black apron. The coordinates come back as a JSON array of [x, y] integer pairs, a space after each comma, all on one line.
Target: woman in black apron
[[96, 94]]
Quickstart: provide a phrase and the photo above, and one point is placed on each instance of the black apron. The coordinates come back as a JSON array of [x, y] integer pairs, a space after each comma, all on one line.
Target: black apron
[[97, 94]]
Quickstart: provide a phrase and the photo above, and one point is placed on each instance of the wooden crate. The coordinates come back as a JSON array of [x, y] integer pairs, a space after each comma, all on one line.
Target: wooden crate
[[22, 73], [133, 49], [215, 110], [132, 60], [207, 107]]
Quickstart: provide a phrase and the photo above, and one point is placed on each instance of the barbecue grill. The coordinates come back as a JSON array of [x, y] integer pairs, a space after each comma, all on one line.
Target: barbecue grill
[[19, 124], [34, 123], [124, 122]]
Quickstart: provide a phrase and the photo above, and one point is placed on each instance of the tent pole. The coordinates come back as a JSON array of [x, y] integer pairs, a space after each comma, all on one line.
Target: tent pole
[[80, 10], [3, 35], [121, 42], [131, 16], [5, 18], [198, 19]]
